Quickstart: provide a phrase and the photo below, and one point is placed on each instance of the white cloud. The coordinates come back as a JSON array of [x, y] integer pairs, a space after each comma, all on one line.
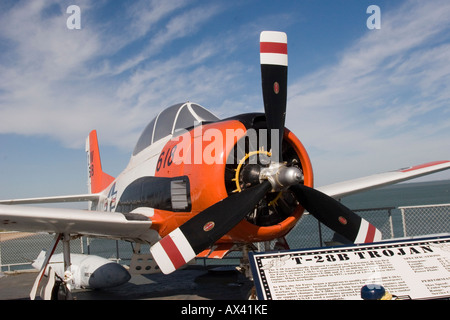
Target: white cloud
[[146, 14], [385, 103], [62, 83]]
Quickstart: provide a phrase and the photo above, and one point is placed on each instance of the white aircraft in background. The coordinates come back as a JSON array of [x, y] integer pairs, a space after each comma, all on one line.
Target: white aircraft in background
[[199, 186]]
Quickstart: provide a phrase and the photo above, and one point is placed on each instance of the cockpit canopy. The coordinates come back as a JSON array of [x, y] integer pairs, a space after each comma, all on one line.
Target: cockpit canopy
[[168, 121]]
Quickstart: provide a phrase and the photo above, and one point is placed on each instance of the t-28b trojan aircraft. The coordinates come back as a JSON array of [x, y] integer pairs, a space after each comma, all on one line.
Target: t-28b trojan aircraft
[[200, 186]]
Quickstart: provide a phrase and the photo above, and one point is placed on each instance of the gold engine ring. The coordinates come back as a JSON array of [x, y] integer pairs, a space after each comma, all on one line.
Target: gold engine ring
[[239, 167]]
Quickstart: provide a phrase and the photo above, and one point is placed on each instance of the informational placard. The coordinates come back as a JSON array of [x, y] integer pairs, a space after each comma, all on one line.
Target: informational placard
[[407, 269]]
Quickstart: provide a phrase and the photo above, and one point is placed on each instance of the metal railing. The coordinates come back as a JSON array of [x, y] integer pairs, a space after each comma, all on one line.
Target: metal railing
[[420, 220], [18, 250]]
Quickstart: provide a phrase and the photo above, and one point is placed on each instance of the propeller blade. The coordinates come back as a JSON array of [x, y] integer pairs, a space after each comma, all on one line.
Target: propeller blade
[[335, 215], [274, 63], [203, 230]]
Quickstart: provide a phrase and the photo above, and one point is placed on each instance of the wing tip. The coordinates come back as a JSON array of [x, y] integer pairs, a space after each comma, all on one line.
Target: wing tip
[[441, 164]]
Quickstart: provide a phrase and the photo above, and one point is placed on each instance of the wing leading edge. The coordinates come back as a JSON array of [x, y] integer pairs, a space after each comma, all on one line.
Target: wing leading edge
[[77, 222]]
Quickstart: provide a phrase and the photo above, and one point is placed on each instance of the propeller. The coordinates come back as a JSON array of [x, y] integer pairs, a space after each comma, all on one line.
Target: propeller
[[274, 65], [203, 230], [335, 215]]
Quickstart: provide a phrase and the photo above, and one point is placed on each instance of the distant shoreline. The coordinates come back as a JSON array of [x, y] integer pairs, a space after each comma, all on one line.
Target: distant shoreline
[[421, 183], [11, 235]]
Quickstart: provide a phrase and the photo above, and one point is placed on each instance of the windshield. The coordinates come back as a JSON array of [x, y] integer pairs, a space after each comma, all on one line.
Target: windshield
[[168, 121]]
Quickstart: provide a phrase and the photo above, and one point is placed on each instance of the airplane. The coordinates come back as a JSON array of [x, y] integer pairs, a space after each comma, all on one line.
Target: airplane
[[200, 186]]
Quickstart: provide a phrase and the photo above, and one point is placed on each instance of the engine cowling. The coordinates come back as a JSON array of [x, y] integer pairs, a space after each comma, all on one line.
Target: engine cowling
[[279, 211], [222, 158]]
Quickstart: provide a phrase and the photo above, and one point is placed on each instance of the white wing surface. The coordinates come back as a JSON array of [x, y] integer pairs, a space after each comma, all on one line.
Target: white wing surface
[[77, 222]]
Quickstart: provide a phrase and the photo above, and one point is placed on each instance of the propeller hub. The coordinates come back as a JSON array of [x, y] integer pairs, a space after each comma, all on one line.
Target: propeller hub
[[250, 175], [280, 176]]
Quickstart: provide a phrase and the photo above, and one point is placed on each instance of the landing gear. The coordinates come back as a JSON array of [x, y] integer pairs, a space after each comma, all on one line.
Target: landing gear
[[67, 283], [56, 287], [244, 267], [60, 291]]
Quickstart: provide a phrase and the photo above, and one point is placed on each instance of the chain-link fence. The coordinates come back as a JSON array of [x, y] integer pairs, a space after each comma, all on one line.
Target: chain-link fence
[[18, 249], [309, 233], [422, 220]]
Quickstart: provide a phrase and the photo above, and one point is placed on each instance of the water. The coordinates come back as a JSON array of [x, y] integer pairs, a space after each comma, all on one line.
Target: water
[[308, 234], [404, 194]]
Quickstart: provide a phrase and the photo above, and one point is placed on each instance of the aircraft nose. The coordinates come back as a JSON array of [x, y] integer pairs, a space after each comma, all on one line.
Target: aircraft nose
[[109, 275]]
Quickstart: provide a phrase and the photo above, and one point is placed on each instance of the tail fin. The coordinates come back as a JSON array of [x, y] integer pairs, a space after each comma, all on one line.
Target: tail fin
[[97, 179]]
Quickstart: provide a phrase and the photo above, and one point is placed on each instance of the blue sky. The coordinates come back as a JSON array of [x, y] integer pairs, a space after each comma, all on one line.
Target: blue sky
[[362, 101]]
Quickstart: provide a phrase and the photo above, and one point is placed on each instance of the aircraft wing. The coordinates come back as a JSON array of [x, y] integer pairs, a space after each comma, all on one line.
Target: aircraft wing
[[56, 199], [346, 188], [114, 225]]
